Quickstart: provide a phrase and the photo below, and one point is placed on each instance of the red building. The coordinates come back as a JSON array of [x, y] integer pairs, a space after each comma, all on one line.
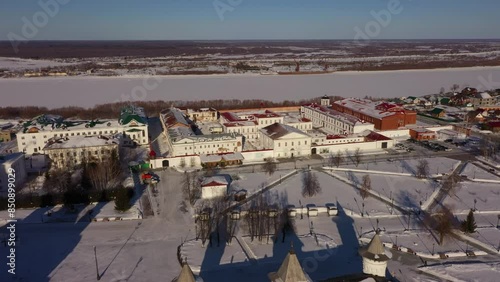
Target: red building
[[421, 134], [385, 116]]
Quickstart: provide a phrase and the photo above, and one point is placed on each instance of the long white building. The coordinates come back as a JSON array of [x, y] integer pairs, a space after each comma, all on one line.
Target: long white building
[[36, 133], [182, 140], [334, 121]]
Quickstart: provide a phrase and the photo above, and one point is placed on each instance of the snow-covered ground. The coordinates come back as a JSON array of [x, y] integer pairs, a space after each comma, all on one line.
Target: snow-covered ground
[[407, 191], [333, 191], [465, 272], [474, 172], [487, 196], [253, 182], [424, 243], [88, 91], [30, 64], [488, 235], [437, 165]]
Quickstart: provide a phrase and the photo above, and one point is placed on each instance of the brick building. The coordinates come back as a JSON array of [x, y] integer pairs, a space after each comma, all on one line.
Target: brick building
[[385, 116]]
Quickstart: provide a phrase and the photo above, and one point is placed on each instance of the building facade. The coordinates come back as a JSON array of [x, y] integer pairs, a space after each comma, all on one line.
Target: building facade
[[18, 177], [34, 136], [285, 141], [67, 152], [384, 116], [182, 140], [334, 121]]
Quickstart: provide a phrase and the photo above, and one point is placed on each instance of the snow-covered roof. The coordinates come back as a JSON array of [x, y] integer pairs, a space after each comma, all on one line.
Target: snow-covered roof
[[80, 141], [483, 95], [366, 107], [375, 250], [216, 180], [289, 271], [278, 130], [333, 113]]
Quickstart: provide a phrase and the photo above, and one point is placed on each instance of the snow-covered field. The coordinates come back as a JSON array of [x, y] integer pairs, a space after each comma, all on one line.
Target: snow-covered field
[[436, 166], [333, 191], [88, 91], [465, 272], [487, 197], [253, 182], [490, 236], [407, 191], [425, 243], [474, 172], [21, 64]]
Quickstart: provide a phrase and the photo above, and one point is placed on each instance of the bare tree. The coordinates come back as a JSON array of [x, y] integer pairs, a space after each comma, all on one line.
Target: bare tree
[[57, 181], [310, 184], [454, 87], [203, 221], [191, 187], [366, 186], [256, 219], [192, 162], [269, 166], [443, 222], [338, 158], [442, 91], [422, 168], [347, 155], [218, 206], [357, 156], [103, 174]]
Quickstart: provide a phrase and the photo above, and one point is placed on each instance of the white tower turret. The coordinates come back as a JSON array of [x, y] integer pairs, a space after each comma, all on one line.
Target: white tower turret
[[375, 257]]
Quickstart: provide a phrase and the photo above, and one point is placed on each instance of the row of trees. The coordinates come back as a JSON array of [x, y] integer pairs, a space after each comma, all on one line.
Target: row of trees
[[338, 158], [112, 110], [261, 221]]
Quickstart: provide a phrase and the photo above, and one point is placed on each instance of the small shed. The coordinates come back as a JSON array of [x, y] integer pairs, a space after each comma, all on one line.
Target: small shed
[[215, 186]]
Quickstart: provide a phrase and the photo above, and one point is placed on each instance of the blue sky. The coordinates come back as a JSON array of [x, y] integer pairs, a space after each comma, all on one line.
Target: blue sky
[[250, 19]]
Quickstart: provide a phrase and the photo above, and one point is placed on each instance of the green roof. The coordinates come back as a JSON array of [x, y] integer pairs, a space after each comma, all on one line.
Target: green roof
[[436, 111], [131, 113]]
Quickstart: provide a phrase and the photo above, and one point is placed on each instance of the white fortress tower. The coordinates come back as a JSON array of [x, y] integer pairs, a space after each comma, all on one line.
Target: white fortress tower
[[375, 257], [325, 101]]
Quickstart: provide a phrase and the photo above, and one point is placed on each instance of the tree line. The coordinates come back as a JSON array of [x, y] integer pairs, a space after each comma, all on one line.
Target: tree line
[[152, 108]]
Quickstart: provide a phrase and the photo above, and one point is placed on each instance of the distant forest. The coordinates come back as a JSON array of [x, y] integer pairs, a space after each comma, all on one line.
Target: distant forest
[[152, 108]]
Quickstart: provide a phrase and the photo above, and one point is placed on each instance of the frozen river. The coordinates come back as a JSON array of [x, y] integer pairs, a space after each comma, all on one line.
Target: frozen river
[[88, 91]]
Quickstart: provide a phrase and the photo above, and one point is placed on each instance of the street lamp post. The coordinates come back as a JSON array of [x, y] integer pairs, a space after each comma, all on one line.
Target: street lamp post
[[475, 201], [96, 265], [433, 244], [396, 240], [361, 232]]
